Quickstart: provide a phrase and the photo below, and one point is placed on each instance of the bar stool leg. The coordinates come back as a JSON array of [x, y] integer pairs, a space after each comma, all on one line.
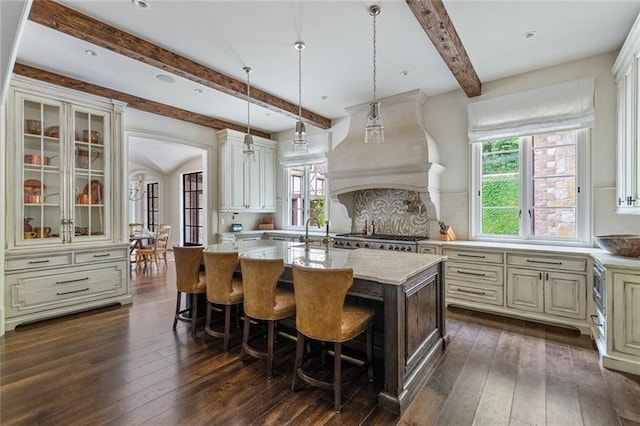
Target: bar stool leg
[[194, 314], [370, 352], [298, 362], [207, 320], [337, 376], [175, 317], [270, 339], [227, 327], [245, 336]]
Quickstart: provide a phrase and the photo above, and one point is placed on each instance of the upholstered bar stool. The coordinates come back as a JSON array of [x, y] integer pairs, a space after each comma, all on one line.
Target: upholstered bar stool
[[321, 314], [188, 281], [264, 301], [222, 289]]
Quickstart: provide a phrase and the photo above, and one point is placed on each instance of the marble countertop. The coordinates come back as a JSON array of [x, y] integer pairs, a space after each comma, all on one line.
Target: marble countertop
[[374, 265]]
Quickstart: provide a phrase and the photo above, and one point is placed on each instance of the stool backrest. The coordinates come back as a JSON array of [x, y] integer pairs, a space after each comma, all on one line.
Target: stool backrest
[[259, 280], [219, 268], [320, 296], [188, 260]]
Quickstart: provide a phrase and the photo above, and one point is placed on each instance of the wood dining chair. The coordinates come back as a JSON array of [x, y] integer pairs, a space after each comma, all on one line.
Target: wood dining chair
[[153, 253]]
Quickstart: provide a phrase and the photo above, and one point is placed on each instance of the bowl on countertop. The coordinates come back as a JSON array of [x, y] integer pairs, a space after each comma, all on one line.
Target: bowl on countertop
[[627, 245]]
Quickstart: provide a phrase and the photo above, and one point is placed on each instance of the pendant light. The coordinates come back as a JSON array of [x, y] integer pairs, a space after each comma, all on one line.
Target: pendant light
[[299, 140], [248, 149], [374, 131]]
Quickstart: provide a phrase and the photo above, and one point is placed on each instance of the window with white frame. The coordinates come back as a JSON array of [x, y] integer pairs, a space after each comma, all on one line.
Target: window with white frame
[[531, 164], [306, 189], [532, 187]]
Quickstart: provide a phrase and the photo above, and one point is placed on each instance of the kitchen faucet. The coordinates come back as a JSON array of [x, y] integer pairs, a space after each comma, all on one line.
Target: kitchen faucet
[[306, 230]]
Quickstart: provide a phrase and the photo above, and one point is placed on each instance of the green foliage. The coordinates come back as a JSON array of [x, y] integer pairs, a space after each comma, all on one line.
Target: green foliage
[[500, 156], [501, 191], [317, 209], [500, 221]]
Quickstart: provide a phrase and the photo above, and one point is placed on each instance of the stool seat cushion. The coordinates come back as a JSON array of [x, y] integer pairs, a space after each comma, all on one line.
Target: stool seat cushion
[[285, 304], [355, 320], [201, 286], [233, 298]]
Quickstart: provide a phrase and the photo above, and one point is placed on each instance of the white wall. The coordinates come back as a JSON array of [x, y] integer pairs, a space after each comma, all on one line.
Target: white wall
[[13, 17]]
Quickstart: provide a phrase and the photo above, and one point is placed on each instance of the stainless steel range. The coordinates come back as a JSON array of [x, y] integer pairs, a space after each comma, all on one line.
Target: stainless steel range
[[406, 243]]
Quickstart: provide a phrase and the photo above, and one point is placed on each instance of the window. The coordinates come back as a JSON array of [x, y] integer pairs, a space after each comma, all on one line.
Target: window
[[306, 190], [193, 209], [532, 187], [153, 206]]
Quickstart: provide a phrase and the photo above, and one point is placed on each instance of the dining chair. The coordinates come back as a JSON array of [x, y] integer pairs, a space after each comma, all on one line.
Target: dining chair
[[264, 301], [222, 289], [135, 228], [321, 314], [153, 253], [190, 282]]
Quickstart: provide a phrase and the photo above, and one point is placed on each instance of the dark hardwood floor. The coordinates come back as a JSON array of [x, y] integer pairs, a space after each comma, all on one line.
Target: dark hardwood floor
[[125, 365]]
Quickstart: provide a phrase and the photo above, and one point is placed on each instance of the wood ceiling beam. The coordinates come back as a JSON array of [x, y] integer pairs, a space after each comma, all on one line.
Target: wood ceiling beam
[[68, 21], [435, 21], [132, 101]]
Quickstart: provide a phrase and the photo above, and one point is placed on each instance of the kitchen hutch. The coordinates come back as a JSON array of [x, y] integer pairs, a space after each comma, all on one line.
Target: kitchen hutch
[[64, 244]]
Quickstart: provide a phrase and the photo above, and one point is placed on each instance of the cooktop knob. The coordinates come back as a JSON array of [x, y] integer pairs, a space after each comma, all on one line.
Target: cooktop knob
[[357, 244], [366, 246]]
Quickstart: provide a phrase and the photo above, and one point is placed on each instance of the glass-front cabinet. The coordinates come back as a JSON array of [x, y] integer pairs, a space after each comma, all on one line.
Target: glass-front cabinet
[[64, 153], [66, 246]]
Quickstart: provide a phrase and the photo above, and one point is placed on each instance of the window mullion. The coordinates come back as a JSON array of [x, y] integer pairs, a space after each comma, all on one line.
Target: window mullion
[[526, 185]]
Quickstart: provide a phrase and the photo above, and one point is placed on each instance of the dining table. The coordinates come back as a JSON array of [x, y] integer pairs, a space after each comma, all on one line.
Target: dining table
[[136, 240]]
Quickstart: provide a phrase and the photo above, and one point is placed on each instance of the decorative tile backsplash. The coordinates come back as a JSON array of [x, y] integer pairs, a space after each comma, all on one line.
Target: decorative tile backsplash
[[394, 211]]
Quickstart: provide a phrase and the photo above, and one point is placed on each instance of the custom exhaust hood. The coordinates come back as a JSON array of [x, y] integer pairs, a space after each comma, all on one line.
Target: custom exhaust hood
[[407, 159]]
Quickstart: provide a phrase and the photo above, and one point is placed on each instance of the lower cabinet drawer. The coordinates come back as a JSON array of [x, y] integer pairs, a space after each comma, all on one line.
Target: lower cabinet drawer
[[547, 262], [39, 291], [38, 261], [483, 294], [474, 273], [101, 255]]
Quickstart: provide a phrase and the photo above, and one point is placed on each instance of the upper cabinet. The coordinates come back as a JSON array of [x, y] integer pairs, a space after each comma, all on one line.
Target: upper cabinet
[[626, 71], [62, 157], [246, 185]]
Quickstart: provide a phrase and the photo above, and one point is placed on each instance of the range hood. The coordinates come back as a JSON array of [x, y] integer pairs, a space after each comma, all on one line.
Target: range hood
[[407, 159]]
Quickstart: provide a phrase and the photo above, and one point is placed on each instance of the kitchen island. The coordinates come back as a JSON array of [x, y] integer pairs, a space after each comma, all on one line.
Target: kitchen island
[[406, 291]]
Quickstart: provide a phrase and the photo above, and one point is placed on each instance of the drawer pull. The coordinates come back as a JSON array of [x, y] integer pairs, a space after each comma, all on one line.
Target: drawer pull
[[475, 274], [596, 323], [102, 255], [477, 256], [34, 262], [544, 262], [481, 293], [72, 281], [61, 293]]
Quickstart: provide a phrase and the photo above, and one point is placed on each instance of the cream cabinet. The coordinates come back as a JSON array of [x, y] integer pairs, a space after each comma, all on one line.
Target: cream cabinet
[[626, 312], [538, 285], [246, 185], [554, 285], [626, 70], [64, 199]]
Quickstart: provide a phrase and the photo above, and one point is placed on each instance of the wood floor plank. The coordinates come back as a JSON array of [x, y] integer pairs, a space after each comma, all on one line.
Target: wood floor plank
[[626, 389], [562, 398], [529, 394], [595, 402], [461, 404], [494, 407]]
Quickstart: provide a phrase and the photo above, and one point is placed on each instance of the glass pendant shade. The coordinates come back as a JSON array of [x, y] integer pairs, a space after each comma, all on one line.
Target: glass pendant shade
[[374, 131], [299, 140], [248, 149]]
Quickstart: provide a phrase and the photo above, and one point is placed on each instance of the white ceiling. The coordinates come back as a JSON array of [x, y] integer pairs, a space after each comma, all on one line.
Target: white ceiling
[[228, 35]]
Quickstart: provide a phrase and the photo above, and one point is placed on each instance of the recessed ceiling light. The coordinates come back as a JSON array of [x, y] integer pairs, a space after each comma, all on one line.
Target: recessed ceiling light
[[267, 114], [142, 4], [324, 97], [197, 90], [165, 78], [404, 73], [529, 34], [91, 52]]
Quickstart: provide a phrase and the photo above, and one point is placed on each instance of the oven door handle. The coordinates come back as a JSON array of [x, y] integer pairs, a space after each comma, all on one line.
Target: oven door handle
[[595, 321]]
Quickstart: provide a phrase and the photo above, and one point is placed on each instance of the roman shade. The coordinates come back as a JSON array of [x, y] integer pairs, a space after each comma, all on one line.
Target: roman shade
[[564, 106]]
